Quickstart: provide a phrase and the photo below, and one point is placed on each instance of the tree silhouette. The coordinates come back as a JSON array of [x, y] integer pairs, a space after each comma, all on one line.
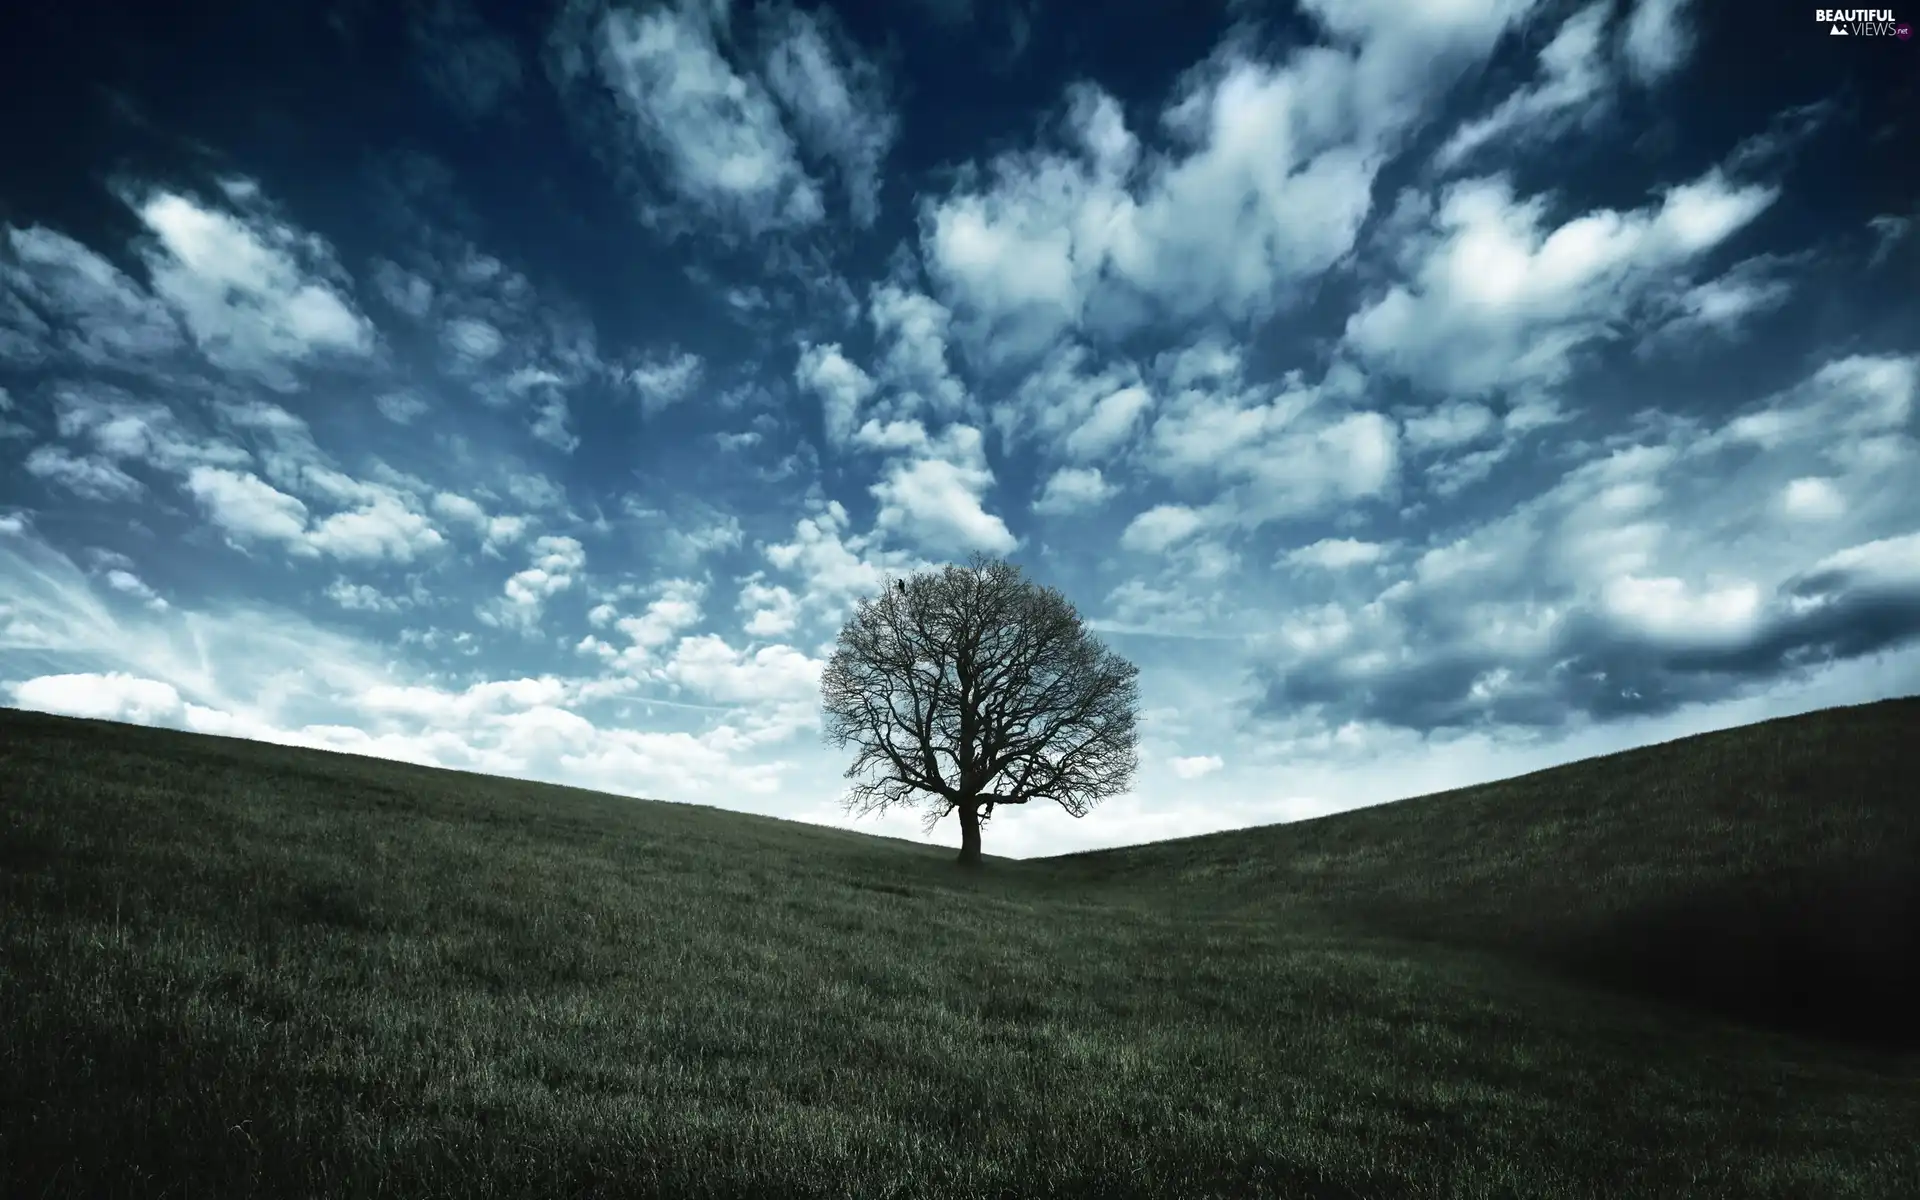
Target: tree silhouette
[[971, 687]]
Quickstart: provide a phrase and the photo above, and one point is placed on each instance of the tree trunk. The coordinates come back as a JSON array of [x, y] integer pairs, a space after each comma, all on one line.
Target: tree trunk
[[969, 835]]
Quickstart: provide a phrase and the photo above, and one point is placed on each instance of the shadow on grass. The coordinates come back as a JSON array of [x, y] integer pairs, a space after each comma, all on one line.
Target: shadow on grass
[[1832, 954]]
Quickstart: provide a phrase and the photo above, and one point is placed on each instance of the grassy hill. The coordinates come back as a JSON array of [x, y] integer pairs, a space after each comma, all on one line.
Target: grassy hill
[[234, 969]]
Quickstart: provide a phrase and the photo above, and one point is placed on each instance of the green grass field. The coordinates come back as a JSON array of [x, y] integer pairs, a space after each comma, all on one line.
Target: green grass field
[[232, 969]]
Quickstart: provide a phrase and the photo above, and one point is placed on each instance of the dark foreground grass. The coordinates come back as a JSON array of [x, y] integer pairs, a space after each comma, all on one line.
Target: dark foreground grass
[[230, 969]]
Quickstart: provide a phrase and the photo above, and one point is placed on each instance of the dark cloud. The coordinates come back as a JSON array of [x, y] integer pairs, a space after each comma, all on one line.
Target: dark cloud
[[1599, 665]]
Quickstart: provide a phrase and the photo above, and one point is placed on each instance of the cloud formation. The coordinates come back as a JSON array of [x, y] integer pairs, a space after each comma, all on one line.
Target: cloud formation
[[1496, 302], [1630, 588], [253, 293], [1408, 407]]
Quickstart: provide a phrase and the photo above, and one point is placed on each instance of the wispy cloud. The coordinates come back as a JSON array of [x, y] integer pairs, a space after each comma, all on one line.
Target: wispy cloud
[[665, 381], [837, 100], [714, 135]]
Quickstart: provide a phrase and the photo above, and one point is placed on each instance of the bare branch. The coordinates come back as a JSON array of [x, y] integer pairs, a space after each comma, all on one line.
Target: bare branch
[[972, 687]]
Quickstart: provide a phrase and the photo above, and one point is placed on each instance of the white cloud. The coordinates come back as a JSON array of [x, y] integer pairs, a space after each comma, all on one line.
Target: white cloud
[[1268, 197], [664, 381], [248, 508], [377, 520], [1889, 230], [123, 429], [1069, 404], [884, 436], [1161, 526], [362, 597], [405, 291], [383, 529], [1197, 766], [550, 424], [1891, 563], [716, 135], [242, 288], [291, 437], [101, 317], [1812, 498], [402, 408], [772, 610], [1268, 183], [936, 501], [1696, 217], [244, 671], [1725, 305], [1573, 80], [536, 491], [1496, 302], [1407, 54], [1767, 152], [1669, 610], [1110, 425], [835, 569], [493, 697], [708, 666], [1668, 569], [1658, 40], [507, 345], [1166, 606], [473, 339], [837, 100], [91, 477], [1453, 424], [674, 611], [842, 387], [1073, 489], [459, 508], [1207, 361], [913, 330], [128, 584], [556, 563], [1335, 554], [696, 540], [1076, 410], [1844, 404], [107, 697], [496, 532], [1296, 450], [25, 336], [505, 530], [528, 727]]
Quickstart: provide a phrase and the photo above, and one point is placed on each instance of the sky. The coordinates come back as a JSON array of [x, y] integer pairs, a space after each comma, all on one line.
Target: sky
[[1420, 392]]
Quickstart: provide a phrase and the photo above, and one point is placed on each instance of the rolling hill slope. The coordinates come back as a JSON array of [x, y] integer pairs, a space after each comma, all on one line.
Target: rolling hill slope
[[1770, 872], [230, 968]]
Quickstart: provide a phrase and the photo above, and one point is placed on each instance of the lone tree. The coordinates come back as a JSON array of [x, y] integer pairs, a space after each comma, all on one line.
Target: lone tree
[[973, 687]]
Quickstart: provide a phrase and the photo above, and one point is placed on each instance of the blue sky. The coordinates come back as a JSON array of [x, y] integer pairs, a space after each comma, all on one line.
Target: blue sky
[[1419, 392]]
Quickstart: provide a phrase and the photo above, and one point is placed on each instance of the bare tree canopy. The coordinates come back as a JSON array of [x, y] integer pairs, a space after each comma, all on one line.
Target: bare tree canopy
[[973, 687]]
